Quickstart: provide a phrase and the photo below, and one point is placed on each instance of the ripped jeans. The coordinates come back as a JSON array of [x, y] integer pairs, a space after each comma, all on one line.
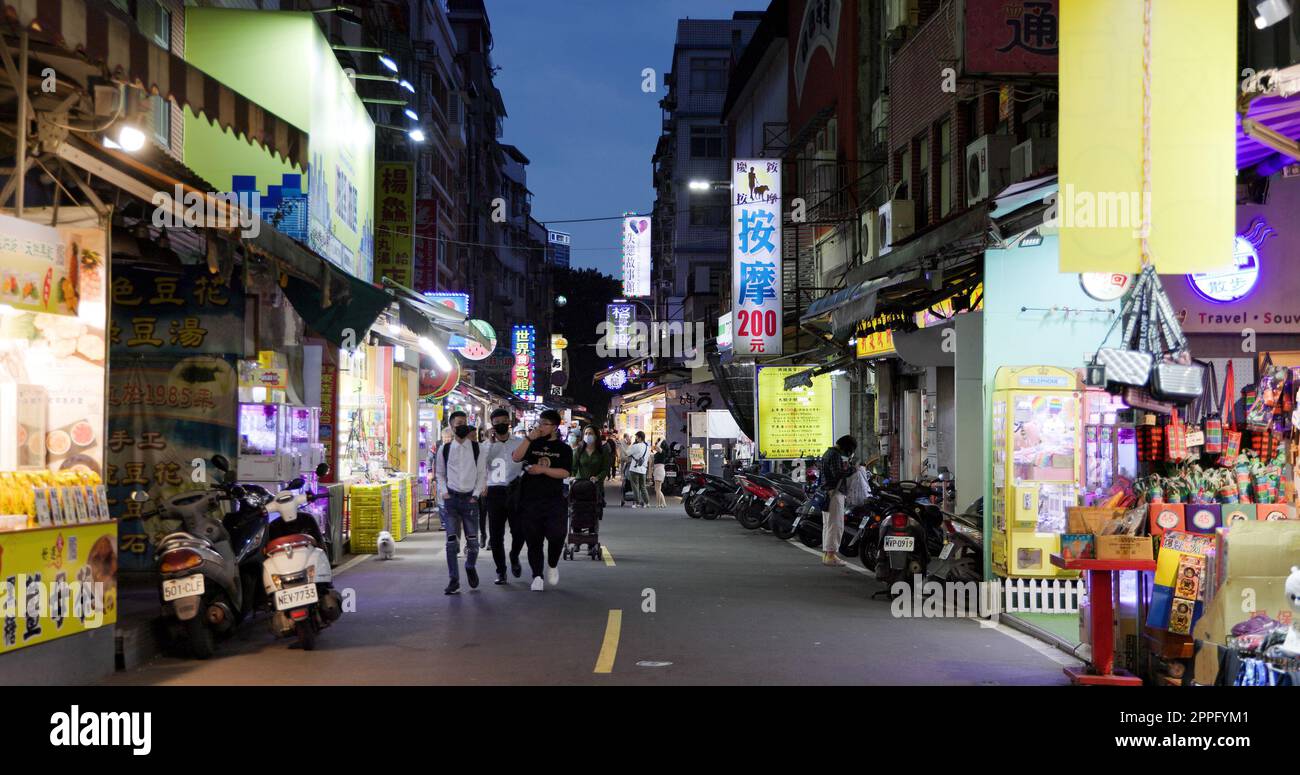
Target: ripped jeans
[[460, 510]]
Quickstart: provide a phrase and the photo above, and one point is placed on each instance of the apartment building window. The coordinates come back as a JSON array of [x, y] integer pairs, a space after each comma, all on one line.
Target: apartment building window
[[155, 22], [706, 142], [160, 111], [708, 75], [945, 167], [905, 180], [923, 182], [708, 210]]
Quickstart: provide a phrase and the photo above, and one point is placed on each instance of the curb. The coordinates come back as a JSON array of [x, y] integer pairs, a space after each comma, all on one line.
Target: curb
[[1034, 631]]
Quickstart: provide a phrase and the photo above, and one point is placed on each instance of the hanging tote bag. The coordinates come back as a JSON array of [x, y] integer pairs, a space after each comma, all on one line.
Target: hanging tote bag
[[1126, 365]]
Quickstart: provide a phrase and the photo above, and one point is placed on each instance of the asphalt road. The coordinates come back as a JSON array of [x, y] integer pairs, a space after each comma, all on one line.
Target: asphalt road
[[701, 603]]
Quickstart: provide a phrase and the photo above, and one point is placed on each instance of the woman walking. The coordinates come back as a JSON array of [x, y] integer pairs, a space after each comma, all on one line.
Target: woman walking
[[660, 471], [592, 461]]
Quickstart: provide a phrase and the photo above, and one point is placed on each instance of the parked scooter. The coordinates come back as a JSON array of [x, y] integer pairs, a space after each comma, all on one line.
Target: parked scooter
[[910, 535], [962, 556], [296, 573], [205, 571], [707, 496]]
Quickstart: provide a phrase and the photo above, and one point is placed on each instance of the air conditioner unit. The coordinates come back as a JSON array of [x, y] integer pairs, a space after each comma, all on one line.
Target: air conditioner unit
[[1031, 156], [900, 15], [895, 222], [868, 242], [988, 166]]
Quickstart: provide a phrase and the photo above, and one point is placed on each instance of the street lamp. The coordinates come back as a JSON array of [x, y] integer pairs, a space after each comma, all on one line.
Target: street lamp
[[345, 14]]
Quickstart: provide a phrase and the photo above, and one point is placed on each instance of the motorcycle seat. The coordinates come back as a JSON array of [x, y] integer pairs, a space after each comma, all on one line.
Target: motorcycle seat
[[294, 540]]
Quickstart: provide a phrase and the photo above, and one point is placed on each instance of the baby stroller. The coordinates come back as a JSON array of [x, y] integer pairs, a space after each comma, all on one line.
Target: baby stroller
[[584, 519]]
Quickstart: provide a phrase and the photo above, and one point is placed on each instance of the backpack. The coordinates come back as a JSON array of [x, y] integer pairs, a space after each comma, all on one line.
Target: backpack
[[446, 450]]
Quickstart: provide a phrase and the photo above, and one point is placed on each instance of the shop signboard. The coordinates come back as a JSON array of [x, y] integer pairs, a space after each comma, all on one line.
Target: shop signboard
[[523, 377], [620, 318], [636, 256], [1002, 38], [426, 246], [880, 341], [793, 424], [310, 91], [37, 269], [876, 343], [1189, 122], [559, 245], [329, 402], [175, 339], [724, 332], [456, 301], [756, 257], [56, 582], [395, 222]]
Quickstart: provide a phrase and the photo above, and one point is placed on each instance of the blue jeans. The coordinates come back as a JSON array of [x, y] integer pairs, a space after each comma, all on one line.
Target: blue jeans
[[460, 510]]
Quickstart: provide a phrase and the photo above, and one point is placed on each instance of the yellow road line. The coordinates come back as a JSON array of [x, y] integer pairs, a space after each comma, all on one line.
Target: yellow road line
[[609, 649], [609, 558]]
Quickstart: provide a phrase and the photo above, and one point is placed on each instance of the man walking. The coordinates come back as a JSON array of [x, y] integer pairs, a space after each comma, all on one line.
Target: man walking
[[637, 457], [502, 470], [461, 473], [547, 462]]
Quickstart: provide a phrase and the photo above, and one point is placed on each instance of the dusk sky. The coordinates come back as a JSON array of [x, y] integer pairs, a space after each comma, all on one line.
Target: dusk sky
[[571, 79]]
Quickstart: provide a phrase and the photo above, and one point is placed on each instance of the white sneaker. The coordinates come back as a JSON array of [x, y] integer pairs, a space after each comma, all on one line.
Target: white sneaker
[[538, 584], [552, 576]]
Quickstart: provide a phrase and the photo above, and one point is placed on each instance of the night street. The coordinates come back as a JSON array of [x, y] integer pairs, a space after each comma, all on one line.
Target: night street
[[732, 607]]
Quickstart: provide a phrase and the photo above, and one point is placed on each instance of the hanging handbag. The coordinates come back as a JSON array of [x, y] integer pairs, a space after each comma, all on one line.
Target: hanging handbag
[[1176, 382], [1126, 365], [1140, 398], [1213, 417]]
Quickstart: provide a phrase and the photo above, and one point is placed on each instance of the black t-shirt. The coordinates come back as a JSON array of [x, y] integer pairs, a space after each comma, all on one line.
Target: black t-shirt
[[559, 455]]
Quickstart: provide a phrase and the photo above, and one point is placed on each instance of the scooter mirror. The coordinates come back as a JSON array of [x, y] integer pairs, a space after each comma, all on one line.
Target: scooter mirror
[[322, 469], [237, 491], [139, 496], [296, 484], [221, 463]]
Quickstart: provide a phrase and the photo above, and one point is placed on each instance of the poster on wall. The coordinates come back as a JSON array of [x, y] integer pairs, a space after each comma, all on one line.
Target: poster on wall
[[56, 582], [636, 256], [175, 339], [395, 222], [756, 257], [793, 424]]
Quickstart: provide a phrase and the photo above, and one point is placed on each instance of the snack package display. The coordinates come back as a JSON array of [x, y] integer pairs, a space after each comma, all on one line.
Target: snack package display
[[49, 498]]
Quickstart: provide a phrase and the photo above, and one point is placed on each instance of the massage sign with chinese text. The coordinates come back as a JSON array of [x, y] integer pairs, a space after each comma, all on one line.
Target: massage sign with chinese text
[[175, 338], [756, 257]]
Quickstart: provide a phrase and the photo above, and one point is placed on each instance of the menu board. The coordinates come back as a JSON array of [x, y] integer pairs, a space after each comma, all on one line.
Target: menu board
[[797, 423]]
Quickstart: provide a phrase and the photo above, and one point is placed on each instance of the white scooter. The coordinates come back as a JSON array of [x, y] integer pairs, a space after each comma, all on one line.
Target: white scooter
[[297, 574]]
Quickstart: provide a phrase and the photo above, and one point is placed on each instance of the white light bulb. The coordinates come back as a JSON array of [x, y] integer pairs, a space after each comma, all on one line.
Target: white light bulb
[[130, 138]]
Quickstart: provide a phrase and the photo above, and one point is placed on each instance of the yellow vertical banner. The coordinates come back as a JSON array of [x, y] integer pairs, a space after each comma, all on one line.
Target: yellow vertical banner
[[1100, 206], [395, 221]]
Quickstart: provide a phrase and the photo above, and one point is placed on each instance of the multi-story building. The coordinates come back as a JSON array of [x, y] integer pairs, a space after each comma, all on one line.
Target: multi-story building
[[690, 254]]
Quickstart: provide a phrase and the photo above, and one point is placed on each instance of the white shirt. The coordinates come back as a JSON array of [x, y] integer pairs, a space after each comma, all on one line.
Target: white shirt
[[638, 452], [461, 473]]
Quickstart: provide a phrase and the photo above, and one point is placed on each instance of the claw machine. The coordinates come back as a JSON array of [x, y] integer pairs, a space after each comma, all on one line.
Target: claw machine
[[1109, 445], [1037, 435], [266, 452]]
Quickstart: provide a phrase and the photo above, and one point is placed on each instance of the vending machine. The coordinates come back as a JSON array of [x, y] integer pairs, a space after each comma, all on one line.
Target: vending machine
[[1036, 416], [267, 453]]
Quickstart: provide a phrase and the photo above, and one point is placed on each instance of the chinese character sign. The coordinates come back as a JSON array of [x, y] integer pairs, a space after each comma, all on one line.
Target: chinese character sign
[[756, 257], [523, 375], [796, 423], [620, 318], [1012, 38], [395, 222], [636, 256]]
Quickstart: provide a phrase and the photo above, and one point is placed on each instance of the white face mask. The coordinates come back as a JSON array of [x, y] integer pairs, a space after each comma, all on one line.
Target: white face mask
[[589, 439]]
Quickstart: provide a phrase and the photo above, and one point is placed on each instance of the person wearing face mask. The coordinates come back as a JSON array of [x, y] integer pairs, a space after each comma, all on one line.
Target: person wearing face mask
[[591, 461], [461, 473], [502, 470]]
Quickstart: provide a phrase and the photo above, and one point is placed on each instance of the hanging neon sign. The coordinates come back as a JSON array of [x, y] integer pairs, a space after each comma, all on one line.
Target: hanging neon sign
[[523, 375]]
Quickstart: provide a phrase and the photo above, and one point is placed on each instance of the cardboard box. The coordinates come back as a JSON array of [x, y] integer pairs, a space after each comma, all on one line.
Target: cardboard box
[[1090, 519], [1204, 518], [1123, 547], [1257, 565], [1238, 512], [1271, 512]]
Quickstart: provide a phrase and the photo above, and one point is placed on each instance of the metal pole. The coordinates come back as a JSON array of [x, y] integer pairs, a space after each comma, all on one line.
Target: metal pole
[[20, 166]]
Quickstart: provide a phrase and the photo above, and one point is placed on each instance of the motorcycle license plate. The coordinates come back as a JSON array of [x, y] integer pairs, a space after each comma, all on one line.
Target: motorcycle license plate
[[189, 586], [295, 597], [769, 501], [947, 550], [899, 543]]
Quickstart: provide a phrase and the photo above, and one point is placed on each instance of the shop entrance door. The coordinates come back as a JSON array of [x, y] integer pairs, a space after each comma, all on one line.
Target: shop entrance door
[[911, 433]]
